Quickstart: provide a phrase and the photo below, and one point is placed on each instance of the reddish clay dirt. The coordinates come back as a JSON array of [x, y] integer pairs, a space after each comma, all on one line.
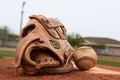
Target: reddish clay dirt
[[7, 72]]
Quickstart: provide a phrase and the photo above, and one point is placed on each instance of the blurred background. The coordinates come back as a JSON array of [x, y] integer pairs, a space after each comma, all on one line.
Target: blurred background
[[94, 23], [88, 18]]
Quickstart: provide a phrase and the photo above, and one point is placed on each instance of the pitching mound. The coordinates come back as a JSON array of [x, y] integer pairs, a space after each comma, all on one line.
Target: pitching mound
[[7, 72]]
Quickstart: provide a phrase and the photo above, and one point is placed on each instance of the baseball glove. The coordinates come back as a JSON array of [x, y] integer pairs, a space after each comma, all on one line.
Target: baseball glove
[[43, 47]]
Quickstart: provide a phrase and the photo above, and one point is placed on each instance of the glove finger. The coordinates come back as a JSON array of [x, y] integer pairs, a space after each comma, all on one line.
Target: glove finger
[[62, 69]]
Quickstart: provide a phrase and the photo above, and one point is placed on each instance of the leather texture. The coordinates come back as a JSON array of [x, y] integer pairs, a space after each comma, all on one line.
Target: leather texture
[[42, 44]]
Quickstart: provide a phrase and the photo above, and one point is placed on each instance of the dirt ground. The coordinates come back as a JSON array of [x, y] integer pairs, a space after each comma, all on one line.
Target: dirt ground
[[99, 72]]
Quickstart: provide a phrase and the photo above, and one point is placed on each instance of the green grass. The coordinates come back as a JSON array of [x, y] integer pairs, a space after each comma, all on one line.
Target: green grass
[[6, 53], [109, 63], [10, 54]]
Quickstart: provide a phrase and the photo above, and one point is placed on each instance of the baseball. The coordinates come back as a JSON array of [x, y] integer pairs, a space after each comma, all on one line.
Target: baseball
[[85, 57]]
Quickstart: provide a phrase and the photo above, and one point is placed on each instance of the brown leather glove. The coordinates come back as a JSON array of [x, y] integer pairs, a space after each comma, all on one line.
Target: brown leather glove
[[43, 47]]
